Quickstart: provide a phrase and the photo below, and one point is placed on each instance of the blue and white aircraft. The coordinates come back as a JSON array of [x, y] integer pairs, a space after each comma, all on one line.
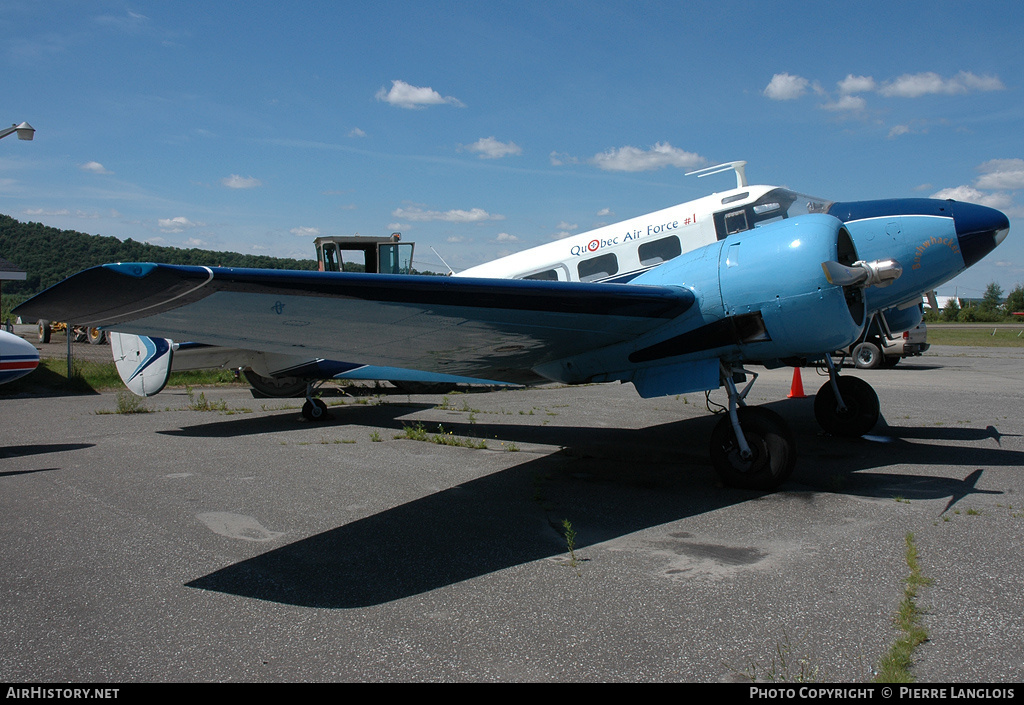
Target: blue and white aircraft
[[674, 301]]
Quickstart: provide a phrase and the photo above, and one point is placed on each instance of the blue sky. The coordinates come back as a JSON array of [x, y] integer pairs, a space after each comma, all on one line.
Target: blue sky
[[485, 128]]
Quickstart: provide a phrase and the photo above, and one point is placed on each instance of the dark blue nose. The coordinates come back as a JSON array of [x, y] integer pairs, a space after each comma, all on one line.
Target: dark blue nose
[[979, 229]]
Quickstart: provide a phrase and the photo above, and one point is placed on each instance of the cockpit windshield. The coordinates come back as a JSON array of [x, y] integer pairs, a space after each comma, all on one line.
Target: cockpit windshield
[[773, 206]]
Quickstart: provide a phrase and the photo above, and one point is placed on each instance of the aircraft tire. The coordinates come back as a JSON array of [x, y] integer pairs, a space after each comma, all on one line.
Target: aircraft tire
[[314, 410], [862, 409], [770, 441], [44, 330], [867, 356], [95, 336], [279, 387]]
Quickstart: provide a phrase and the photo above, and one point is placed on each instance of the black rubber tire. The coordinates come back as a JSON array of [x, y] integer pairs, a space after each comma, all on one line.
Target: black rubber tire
[[315, 410], [44, 330], [862, 409], [890, 361], [95, 336], [867, 356], [770, 441]]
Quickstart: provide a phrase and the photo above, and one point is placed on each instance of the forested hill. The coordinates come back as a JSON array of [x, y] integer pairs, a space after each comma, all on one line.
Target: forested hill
[[49, 255]]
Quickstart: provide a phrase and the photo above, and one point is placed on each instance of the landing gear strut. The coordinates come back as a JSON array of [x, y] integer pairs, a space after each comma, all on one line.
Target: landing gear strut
[[751, 447], [845, 406]]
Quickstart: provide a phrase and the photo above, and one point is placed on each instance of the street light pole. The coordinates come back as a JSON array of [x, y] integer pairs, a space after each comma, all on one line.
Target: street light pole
[[24, 130]]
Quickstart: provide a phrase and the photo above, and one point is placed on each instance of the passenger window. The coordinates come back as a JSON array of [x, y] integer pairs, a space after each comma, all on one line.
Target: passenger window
[[659, 251], [597, 268], [550, 275]]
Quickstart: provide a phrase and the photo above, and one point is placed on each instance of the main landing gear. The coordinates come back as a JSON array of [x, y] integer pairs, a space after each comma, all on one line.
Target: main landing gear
[[845, 406], [751, 447]]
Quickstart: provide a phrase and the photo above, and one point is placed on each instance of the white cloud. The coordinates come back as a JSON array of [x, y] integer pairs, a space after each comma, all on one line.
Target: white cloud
[[305, 232], [94, 168], [561, 158], [973, 195], [475, 215], [856, 84], [850, 103], [176, 225], [916, 85], [659, 156], [1001, 174], [356, 132], [505, 237], [567, 226], [236, 181], [404, 95], [490, 148], [605, 212], [784, 86], [898, 130]]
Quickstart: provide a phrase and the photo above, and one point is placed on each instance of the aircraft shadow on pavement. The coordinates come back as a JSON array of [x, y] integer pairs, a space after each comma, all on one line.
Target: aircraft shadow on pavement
[[608, 482]]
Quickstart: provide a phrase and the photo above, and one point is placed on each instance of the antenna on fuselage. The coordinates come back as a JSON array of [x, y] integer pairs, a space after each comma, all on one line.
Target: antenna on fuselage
[[738, 167], [450, 270]]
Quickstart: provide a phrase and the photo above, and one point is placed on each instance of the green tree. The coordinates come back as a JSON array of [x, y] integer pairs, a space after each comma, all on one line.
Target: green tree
[[992, 300], [951, 311], [1015, 300]]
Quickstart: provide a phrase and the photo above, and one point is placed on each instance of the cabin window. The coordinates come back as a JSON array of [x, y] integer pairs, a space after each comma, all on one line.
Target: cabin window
[[548, 275], [331, 259], [736, 222], [598, 268], [659, 251]]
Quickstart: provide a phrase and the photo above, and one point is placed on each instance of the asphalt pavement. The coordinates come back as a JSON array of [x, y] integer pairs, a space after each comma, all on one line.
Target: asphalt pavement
[[220, 537]]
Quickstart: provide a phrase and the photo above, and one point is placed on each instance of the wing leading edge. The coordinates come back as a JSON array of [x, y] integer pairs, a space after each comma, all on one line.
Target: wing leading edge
[[490, 328]]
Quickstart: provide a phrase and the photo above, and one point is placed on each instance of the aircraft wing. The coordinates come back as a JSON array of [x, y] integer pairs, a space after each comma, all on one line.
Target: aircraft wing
[[486, 328]]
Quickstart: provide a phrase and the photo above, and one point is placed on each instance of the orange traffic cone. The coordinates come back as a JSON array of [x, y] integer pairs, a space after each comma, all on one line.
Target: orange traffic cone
[[796, 390]]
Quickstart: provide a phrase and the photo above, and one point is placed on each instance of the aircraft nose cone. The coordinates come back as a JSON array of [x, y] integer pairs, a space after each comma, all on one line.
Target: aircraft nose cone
[[979, 229]]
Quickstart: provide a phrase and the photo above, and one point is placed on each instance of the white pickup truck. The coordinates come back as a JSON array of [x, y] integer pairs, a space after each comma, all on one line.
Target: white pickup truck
[[877, 348]]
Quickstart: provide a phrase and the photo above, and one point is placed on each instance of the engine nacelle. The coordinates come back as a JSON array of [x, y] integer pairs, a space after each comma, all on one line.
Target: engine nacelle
[[762, 295], [777, 273]]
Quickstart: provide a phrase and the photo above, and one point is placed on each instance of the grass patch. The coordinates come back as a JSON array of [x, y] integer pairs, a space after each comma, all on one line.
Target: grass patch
[[416, 432], [895, 664], [994, 337]]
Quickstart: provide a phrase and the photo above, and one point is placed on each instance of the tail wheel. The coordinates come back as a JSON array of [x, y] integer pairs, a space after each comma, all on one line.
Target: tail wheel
[[861, 412], [772, 450], [314, 410]]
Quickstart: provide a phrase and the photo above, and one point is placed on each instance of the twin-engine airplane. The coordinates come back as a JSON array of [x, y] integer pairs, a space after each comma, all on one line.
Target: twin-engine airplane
[[674, 301]]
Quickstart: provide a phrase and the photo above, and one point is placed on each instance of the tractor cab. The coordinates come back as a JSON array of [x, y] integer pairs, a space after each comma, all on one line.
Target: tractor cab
[[380, 255]]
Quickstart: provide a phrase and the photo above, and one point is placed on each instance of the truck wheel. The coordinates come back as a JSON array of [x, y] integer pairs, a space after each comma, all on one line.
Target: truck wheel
[[44, 330], [867, 356]]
